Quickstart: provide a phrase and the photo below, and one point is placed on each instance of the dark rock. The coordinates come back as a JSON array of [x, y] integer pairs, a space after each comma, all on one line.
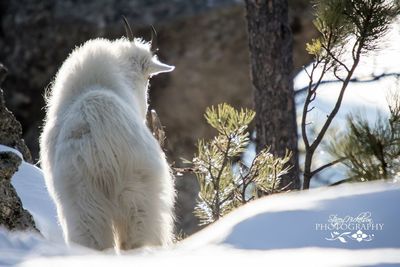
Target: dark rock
[[10, 128], [9, 163], [12, 214]]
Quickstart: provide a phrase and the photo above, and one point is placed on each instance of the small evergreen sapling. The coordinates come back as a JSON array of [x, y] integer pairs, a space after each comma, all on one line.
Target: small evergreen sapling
[[225, 181]]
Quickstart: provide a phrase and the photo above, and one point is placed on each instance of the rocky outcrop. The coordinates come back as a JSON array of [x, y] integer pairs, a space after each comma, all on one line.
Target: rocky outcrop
[[10, 128], [12, 214]]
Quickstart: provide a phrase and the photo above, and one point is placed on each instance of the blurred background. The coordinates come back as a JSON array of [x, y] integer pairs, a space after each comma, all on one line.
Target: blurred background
[[205, 39]]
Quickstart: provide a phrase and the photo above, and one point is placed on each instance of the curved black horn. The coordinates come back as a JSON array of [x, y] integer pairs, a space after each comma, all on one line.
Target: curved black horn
[[153, 39], [128, 29]]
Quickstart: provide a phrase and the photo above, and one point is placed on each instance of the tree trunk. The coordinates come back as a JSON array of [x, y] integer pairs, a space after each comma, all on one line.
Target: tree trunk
[[270, 44]]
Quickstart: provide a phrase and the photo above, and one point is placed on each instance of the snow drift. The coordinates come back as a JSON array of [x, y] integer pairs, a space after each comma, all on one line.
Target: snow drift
[[282, 229]]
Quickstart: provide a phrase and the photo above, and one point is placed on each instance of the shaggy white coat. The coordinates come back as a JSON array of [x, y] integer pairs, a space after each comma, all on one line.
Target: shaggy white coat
[[104, 169]]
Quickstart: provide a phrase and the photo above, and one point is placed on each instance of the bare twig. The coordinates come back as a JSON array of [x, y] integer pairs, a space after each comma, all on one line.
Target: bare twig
[[311, 94], [373, 78], [342, 181], [179, 171], [328, 50], [327, 165], [310, 149], [336, 108], [156, 127], [335, 70]]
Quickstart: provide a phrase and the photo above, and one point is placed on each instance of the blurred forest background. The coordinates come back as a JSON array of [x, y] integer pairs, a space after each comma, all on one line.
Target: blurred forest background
[[205, 39]]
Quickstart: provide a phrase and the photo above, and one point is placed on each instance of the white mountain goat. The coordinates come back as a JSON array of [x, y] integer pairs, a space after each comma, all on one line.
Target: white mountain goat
[[104, 169]]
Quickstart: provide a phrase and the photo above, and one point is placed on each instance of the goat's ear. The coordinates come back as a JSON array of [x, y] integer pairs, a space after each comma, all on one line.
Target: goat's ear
[[156, 67]]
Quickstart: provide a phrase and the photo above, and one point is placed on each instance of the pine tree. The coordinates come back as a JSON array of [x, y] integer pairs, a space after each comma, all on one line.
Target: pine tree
[[354, 25], [225, 181], [371, 152]]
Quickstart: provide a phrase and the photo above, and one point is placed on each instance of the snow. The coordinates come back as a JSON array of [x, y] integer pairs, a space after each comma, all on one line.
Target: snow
[[216, 256], [19, 247], [289, 220], [28, 181], [279, 229]]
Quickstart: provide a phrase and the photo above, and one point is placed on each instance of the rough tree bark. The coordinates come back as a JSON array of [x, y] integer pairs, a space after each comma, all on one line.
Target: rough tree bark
[[270, 44]]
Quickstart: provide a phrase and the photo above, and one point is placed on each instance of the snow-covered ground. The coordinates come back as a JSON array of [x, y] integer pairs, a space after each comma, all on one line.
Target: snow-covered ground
[[319, 226], [286, 229]]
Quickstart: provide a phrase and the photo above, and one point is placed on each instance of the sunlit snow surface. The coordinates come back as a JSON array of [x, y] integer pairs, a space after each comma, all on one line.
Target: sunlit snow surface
[[281, 229]]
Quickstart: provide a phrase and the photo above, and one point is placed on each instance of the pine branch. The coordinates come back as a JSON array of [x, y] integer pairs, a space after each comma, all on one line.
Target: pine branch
[[218, 178], [220, 189]]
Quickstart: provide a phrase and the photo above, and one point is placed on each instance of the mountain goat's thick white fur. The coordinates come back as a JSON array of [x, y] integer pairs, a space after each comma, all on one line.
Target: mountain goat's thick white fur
[[104, 169]]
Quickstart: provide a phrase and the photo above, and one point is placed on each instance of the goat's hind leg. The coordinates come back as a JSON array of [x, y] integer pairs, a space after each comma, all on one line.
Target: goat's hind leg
[[142, 222], [90, 228]]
